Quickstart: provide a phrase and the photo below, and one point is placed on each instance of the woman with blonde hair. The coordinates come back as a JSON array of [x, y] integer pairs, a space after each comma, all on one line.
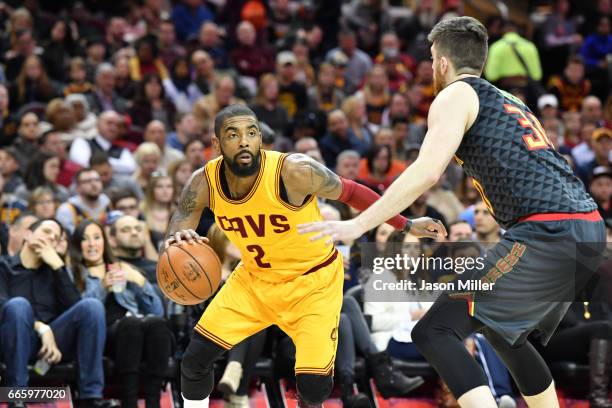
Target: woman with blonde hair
[[42, 203], [148, 157], [355, 110], [179, 171], [32, 84], [376, 94], [266, 105], [324, 94], [158, 205]]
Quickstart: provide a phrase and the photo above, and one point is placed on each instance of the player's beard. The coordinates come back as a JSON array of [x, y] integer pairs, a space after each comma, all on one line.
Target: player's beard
[[438, 81], [243, 170]]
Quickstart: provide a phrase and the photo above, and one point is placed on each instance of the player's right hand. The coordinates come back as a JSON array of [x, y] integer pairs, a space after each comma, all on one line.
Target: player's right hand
[[189, 236]]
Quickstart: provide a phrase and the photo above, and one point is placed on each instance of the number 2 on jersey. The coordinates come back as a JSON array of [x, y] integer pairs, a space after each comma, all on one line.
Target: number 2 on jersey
[[535, 140], [259, 254]]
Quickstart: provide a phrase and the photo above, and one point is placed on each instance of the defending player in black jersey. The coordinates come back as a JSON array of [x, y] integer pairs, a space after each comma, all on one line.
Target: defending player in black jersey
[[554, 232]]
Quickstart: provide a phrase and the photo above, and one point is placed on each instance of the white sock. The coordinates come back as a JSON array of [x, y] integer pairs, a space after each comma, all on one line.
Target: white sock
[[195, 403]]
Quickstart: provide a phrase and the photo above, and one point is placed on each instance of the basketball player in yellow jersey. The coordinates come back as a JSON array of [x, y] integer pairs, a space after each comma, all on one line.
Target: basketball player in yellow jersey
[[259, 197]]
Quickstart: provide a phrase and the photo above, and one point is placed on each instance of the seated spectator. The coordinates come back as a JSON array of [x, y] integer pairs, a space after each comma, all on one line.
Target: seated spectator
[[212, 44], [324, 95], [158, 206], [147, 62], [12, 241], [86, 124], [267, 106], [31, 85], [57, 49], [155, 132], [28, 135], [88, 204], [378, 159], [42, 171], [358, 62], [376, 95], [399, 66], [486, 228], [250, 59], [600, 187], [354, 108], [293, 95], [591, 111], [77, 78], [22, 45], [120, 158], [205, 74], [110, 181], [52, 141], [305, 72], [195, 153], [136, 329], [595, 51], [169, 49], [39, 299], [180, 88], [572, 128], [61, 118], [186, 129], [126, 202], [8, 121], [9, 168], [601, 143], [222, 96], [339, 137], [42, 202], [180, 171], [95, 53], [445, 200], [148, 157], [151, 103], [104, 98], [125, 86], [385, 137], [420, 208], [571, 87], [188, 16], [582, 153]]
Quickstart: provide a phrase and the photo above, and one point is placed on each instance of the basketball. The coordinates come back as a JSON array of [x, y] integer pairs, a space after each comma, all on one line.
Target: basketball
[[188, 274]]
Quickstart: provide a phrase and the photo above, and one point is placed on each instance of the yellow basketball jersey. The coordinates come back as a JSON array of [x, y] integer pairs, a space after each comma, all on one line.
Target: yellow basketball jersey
[[264, 226]]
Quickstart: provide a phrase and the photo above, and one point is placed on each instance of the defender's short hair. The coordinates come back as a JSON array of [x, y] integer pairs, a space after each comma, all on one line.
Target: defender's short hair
[[229, 112], [463, 40]]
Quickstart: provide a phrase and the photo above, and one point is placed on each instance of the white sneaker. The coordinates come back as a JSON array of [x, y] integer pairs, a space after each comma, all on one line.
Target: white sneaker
[[237, 401], [506, 401], [229, 382]]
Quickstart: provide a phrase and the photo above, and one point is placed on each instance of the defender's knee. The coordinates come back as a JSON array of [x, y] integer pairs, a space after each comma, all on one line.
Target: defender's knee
[[314, 389], [196, 368]]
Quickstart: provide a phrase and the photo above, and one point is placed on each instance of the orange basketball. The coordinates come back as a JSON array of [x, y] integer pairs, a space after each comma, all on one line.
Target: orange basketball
[[188, 274]]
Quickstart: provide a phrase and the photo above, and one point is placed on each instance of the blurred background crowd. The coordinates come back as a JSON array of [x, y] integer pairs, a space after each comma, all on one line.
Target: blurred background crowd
[[106, 108]]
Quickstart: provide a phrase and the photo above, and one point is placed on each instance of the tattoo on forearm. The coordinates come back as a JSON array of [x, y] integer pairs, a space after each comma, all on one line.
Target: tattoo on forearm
[[187, 204]]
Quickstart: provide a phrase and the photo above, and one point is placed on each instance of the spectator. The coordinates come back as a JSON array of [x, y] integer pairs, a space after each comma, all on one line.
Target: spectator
[[460, 230], [195, 153], [58, 48], [355, 110], [42, 171], [8, 122], [104, 98], [205, 74], [376, 95], [339, 137], [158, 206], [169, 49], [95, 55], [136, 329], [250, 59], [9, 168], [52, 142], [38, 297], [267, 105], [304, 71], [31, 85], [89, 203], [100, 163], [147, 62], [42, 203], [591, 111], [86, 121], [595, 51], [125, 87], [186, 129], [151, 103], [359, 63], [582, 153], [324, 95], [20, 21], [156, 132], [223, 95], [571, 87], [17, 232], [180, 171], [378, 159], [188, 16], [77, 78], [108, 130], [180, 88], [26, 143], [60, 115], [23, 46], [148, 157], [601, 143], [115, 34], [212, 44], [292, 94], [444, 200], [600, 187], [399, 66], [560, 36], [420, 208], [384, 137], [130, 242], [487, 230]]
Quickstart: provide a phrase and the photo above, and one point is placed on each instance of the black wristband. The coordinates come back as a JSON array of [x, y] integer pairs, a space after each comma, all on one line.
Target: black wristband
[[407, 227]]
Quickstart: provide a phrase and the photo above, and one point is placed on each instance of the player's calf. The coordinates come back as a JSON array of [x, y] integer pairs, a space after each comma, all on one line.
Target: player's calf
[[197, 368], [313, 389]]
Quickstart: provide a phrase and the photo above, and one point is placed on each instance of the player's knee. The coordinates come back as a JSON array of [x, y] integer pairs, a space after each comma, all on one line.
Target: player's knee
[[196, 368], [314, 389]]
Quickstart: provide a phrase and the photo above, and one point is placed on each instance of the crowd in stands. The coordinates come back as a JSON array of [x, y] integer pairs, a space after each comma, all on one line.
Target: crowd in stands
[[106, 108]]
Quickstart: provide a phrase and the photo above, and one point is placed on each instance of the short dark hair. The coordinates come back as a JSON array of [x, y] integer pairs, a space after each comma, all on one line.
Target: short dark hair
[[119, 194], [39, 222], [98, 158], [81, 171], [229, 112], [463, 40]]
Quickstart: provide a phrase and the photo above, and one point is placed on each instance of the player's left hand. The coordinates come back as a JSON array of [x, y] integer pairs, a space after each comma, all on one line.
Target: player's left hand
[[426, 227], [345, 231]]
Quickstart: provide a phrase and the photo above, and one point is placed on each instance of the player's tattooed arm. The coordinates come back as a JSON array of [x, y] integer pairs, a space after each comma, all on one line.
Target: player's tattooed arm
[[304, 176], [193, 200]]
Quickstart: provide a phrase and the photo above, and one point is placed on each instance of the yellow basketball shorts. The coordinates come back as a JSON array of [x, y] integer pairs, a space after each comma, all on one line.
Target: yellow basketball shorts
[[307, 308]]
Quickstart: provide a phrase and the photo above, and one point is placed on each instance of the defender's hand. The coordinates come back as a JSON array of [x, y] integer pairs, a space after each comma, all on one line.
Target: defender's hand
[[182, 236], [426, 227]]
